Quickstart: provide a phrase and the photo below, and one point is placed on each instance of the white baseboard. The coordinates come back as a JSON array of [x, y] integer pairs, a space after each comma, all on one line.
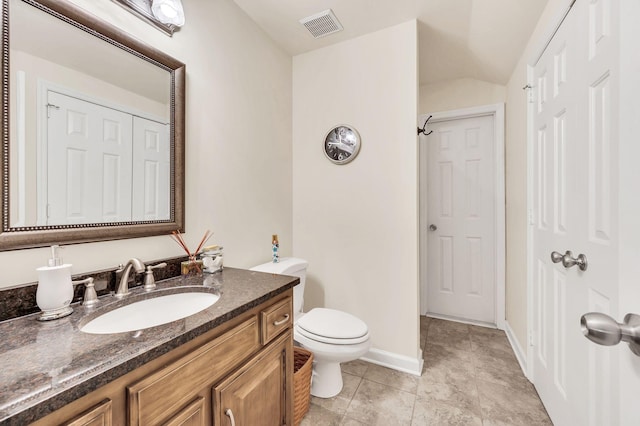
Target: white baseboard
[[395, 361], [521, 355], [462, 320]]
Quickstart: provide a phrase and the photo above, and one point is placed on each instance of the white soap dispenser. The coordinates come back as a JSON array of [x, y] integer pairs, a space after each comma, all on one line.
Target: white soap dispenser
[[55, 291]]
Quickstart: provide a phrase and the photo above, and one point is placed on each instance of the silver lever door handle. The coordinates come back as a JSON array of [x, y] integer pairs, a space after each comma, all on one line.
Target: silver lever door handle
[[568, 261], [604, 330], [432, 227]]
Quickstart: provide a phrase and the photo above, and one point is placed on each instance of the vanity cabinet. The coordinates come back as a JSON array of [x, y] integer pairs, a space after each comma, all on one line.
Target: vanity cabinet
[[244, 367]]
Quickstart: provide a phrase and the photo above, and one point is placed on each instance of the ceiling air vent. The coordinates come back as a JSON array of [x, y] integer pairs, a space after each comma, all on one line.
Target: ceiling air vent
[[322, 24]]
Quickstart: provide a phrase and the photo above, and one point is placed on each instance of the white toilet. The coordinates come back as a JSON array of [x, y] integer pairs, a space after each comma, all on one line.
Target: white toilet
[[333, 336]]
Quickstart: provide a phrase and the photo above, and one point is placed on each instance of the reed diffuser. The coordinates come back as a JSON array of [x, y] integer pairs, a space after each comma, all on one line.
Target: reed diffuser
[[191, 266]]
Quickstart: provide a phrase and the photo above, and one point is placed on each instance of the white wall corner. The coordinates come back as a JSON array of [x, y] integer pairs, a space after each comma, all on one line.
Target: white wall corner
[[521, 355], [395, 361]]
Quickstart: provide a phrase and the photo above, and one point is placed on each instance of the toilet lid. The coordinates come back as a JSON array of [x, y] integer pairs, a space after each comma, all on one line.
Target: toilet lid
[[332, 326]]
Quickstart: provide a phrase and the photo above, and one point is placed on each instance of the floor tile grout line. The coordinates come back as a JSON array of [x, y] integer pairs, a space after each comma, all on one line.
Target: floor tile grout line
[[354, 394], [475, 383]]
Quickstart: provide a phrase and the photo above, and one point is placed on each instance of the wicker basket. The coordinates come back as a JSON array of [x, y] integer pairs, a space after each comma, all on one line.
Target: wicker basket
[[302, 367]]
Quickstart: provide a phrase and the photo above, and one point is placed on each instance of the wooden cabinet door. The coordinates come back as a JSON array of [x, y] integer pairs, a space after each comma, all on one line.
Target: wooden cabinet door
[[191, 415], [162, 394], [257, 393], [99, 415]]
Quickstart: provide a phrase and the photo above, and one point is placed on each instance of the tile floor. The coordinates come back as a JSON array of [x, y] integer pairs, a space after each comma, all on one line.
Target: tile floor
[[470, 377]]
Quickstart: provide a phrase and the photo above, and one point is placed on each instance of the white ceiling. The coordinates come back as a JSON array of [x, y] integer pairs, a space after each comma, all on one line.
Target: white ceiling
[[481, 39]]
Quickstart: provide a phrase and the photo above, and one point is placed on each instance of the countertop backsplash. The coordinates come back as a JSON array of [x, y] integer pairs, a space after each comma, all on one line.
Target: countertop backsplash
[[19, 301]]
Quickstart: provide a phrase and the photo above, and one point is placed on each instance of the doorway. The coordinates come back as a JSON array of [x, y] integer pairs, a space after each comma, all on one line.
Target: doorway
[[462, 216]]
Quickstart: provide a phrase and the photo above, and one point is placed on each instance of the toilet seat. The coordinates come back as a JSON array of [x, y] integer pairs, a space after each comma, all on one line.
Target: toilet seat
[[332, 326]]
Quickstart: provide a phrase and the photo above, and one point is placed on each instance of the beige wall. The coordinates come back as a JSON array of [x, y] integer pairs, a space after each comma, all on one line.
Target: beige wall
[[459, 93], [356, 224], [238, 143], [516, 175]]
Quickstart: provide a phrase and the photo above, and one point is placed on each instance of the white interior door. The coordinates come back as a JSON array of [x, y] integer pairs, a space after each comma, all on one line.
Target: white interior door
[[151, 184], [88, 162], [576, 189], [560, 207], [461, 219]]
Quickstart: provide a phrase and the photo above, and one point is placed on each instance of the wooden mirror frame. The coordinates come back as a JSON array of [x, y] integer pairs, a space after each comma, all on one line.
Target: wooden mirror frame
[[39, 236]]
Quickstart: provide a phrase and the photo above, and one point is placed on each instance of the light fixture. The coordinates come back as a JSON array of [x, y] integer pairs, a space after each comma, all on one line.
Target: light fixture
[[168, 11], [165, 15]]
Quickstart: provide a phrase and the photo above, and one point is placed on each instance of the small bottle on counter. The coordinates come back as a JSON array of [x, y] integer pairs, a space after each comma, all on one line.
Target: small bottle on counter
[[275, 245], [192, 266]]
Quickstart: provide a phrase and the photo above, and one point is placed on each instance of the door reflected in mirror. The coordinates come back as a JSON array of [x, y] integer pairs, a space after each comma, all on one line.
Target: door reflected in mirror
[[95, 130]]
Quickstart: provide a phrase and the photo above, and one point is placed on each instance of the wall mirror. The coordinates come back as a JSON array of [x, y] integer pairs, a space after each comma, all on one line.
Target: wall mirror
[[92, 130]]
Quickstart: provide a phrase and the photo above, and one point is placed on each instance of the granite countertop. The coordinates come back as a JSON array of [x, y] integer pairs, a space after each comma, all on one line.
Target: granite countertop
[[46, 365]]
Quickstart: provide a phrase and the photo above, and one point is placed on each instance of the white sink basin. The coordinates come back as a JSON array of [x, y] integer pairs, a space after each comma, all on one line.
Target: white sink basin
[[150, 312]]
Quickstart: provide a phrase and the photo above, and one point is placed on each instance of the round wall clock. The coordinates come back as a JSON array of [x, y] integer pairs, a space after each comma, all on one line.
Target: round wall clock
[[341, 145]]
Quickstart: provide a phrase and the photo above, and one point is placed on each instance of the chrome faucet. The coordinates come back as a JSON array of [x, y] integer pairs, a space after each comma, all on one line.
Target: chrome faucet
[[123, 287]]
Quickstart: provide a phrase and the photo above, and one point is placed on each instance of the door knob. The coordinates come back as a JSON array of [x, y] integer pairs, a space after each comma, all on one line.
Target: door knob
[[556, 257], [568, 261], [432, 227], [604, 330]]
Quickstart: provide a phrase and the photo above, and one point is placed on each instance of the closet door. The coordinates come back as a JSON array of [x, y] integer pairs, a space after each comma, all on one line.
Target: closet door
[[576, 186], [88, 167]]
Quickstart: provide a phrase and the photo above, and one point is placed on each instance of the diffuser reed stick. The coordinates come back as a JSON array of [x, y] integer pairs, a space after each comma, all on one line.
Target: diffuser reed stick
[[192, 264]]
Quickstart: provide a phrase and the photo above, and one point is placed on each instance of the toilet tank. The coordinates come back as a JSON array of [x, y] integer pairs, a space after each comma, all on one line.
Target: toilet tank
[[289, 266]]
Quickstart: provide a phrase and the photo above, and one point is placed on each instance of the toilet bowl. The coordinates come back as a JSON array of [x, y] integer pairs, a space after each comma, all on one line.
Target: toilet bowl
[[332, 336]]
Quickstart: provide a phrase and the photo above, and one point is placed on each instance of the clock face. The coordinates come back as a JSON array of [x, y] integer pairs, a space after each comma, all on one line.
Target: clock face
[[341, 144]]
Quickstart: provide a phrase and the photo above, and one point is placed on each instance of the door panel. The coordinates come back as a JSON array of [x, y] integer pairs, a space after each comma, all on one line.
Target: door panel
[[88, 174], [151, 182]]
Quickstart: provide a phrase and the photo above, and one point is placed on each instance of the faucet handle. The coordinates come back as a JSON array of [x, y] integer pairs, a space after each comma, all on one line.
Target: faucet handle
[[90, 295], [149, 280]]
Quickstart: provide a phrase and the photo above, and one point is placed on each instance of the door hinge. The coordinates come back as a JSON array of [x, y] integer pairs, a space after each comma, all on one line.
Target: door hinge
[[49, 106], [531, 339], [529, 89], [530, 217]]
